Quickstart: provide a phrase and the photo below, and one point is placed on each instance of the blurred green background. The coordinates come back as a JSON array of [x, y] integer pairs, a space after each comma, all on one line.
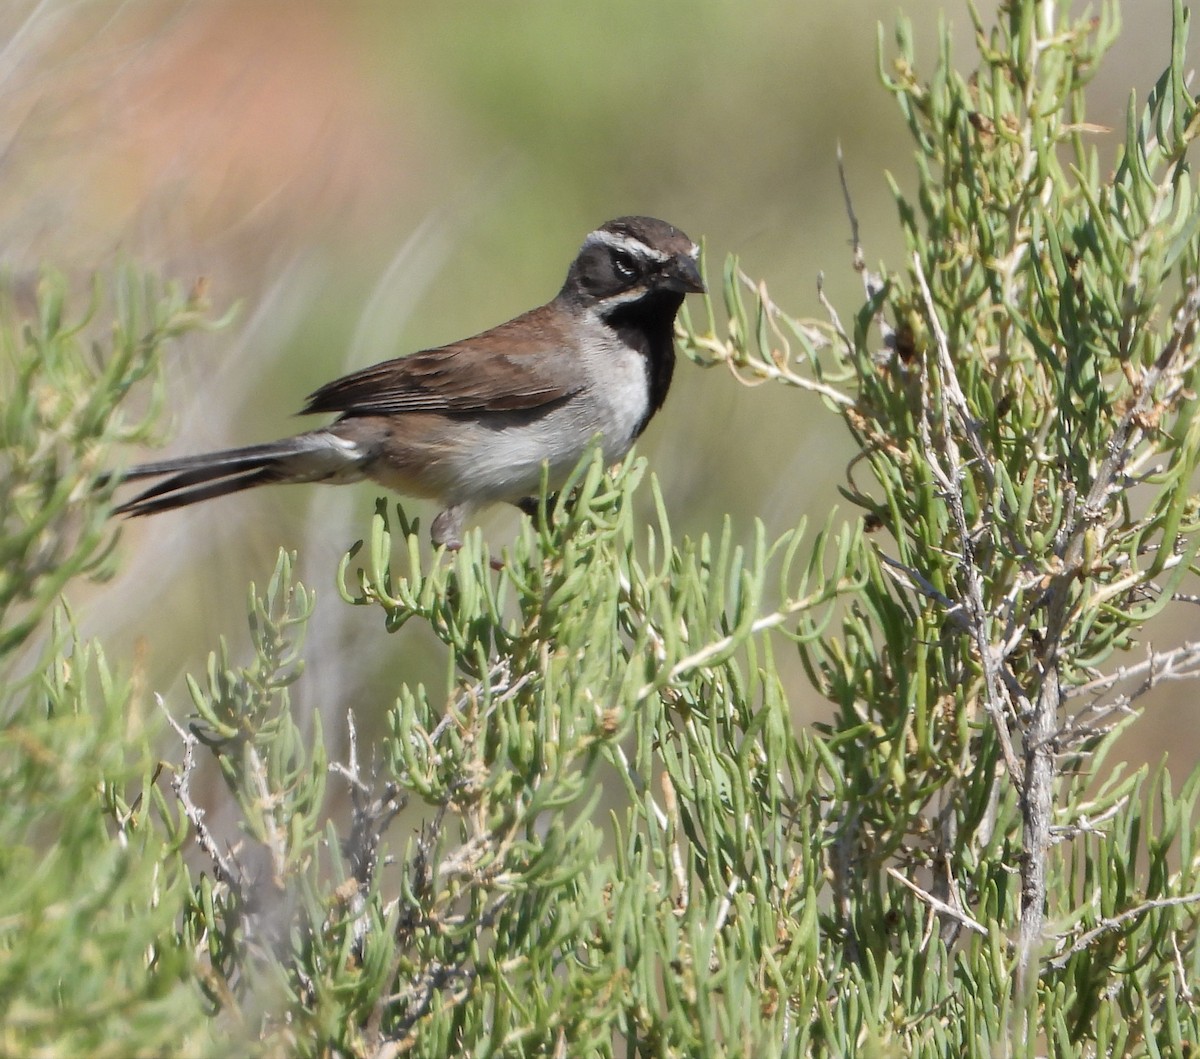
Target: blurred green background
[[366, 179]]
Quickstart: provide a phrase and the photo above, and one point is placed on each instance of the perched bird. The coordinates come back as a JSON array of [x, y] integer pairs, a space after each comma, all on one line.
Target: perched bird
[[473, 422]]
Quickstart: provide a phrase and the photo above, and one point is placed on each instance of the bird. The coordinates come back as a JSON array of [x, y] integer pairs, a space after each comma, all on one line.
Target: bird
[[476, 421]]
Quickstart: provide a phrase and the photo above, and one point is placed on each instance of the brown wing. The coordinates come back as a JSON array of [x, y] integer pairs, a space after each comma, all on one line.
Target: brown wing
[[525, 363]]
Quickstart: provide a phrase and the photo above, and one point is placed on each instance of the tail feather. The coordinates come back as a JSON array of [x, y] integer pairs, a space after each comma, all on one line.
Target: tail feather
[[189, 479], [227, 460], [173, 493]]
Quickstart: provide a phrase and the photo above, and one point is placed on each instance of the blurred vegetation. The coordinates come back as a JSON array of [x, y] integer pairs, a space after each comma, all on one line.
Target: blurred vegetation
[[950, 859], [91, 960], [356, 174]]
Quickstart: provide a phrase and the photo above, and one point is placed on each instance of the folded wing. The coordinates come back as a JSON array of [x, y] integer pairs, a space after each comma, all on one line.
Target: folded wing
[[503, 373]]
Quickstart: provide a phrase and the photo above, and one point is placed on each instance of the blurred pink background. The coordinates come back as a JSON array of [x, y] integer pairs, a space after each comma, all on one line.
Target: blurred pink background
[[366, 179]]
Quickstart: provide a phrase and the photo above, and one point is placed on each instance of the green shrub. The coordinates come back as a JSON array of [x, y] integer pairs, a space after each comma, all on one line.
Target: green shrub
[[948, 867]]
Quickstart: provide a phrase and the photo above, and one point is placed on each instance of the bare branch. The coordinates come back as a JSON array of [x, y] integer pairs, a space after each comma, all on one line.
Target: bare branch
[[371, 813], [950, 480], [224, 869], [1179, 663], [872, 283], [1107, 926], [1086, 825], [939, 906], [915, 581], [1129, 430]]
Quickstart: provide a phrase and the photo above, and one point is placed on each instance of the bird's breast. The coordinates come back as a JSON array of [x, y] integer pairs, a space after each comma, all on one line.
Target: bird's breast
[[501, 455]]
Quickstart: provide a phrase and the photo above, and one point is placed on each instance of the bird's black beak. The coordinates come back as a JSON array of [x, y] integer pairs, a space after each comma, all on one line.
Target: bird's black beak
[[683, 275]]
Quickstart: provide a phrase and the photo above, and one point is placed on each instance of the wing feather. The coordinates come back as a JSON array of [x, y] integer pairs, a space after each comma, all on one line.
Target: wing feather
[[522, 364]]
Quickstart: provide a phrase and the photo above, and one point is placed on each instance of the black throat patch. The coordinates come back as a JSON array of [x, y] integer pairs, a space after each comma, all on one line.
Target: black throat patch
[[648, 326]]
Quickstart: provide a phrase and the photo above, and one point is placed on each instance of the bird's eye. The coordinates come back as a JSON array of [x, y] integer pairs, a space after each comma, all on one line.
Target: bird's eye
[[624, 264]]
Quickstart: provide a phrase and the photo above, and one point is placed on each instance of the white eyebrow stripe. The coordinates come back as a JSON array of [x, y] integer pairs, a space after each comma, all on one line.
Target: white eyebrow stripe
[[627, 243]]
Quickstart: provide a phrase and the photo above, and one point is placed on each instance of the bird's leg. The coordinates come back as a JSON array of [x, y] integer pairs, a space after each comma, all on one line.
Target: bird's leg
[[530, 505], [447, 528], [446, 532]]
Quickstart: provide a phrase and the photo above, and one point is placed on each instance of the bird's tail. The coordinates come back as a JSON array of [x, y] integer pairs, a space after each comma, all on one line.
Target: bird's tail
[[319, 456]]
